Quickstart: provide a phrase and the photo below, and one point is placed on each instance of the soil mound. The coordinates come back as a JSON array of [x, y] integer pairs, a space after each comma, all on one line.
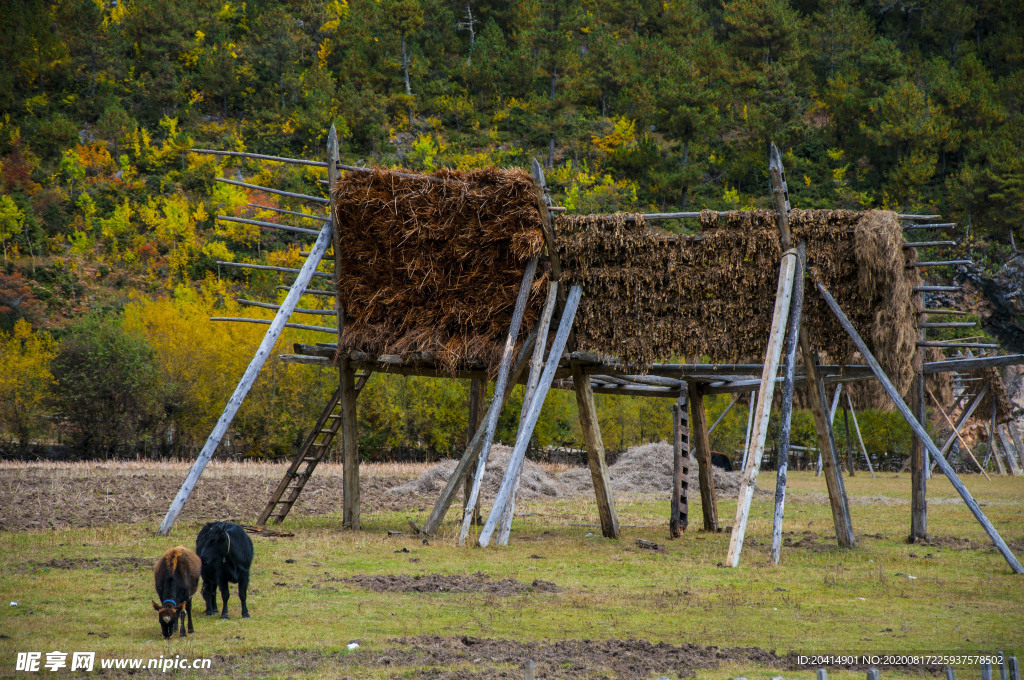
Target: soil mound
[[536, 482], [647, 469], [644, 469]]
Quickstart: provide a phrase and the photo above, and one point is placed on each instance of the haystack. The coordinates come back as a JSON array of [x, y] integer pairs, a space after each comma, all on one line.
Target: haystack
[[648, 298], [433, 264]]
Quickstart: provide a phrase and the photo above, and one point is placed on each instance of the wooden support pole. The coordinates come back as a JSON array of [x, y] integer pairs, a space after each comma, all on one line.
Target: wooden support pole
[[289, 194], [750, 426], [680, 507], [477, 395], [780, 315], [1012, 459], [248, 378], [1011, 427], [831, 419], [268, 225], [701, 447], [469, 456], [786, 420], [846, 433], [956, 431], [967, 413], [500, 386], [346, 373], [838, 500], [725, 412], [526, 431], [536, 368], [860, 439], [921, 432], [595, 454], [286, 212]]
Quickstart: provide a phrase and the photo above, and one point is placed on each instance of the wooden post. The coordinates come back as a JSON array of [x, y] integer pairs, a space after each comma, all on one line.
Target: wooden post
[[477, 395], [536, 367], [679, 512], [780, 315], [595, 453], [789, 373], [846, 431], [346, 375], [499, 390], [894, 394], [750, 426], [993, 449], [526, 431], [956, 432], [860, 439], [702, 452], [831, 419], [469, 456], [721, 416], [1011, 427], [290, 302], [827, 445], [961, 419], [1008, 449]]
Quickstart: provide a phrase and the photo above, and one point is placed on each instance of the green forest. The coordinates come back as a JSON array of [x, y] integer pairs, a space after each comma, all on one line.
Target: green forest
[[110, 245]]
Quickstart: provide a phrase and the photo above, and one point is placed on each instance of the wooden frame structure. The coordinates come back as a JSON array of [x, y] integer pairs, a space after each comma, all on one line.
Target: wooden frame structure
[[561, 366]]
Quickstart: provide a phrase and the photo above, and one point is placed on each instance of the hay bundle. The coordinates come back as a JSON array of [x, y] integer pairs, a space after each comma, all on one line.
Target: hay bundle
[[435, 266], [997, 393], [647, 299]]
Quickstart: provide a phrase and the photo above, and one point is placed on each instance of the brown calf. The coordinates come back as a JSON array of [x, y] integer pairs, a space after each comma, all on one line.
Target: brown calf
[[177, 576]]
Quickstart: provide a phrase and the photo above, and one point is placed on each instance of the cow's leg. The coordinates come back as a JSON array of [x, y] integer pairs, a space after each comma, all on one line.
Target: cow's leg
[[188, 608], [224, 595], [181, 622], [243, 586], [210, 596]]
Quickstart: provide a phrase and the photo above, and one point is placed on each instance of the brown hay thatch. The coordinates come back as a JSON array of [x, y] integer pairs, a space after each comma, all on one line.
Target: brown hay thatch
[[435, 266], [997, 392], [647, 298]]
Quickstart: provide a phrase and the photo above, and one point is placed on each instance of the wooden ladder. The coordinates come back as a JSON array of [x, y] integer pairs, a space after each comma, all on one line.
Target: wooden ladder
[[312, 451]]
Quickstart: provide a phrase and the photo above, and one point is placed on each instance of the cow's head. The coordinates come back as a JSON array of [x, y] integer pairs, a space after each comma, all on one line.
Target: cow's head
[[168, 614]]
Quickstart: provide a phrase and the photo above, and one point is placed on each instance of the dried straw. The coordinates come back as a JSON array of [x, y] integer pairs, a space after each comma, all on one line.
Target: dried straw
[[646, 299], [435, 267]]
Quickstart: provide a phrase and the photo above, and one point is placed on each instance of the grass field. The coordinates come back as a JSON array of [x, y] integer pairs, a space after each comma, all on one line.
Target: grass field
[[581, 606]]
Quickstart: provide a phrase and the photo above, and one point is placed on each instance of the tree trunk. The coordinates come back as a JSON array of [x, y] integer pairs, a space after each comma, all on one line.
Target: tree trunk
[[405, 66]]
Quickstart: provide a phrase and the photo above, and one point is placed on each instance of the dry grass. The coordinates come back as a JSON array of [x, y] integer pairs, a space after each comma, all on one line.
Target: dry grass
[[89, 589]]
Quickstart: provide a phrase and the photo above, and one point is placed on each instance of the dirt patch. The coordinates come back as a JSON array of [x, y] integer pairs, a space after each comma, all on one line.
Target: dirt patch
[[447, 583], [111, 564], [90, 495]]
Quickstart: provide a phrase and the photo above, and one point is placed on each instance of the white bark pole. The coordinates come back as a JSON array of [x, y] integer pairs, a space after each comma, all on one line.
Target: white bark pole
[[249, 377], [536, 403], [787, 272], [856, 427], [536, 366], [499, 391]]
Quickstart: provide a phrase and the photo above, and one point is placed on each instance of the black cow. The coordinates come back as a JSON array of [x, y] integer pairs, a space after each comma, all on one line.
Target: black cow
[[226, 551], [721, 460]]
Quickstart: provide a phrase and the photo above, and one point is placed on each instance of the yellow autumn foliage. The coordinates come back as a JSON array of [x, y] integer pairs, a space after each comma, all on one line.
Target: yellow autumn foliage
[[25, 380]]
